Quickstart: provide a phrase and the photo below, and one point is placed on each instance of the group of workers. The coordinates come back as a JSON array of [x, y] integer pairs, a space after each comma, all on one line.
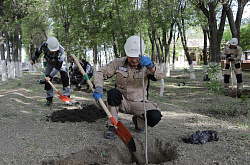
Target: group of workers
[[129, 95]]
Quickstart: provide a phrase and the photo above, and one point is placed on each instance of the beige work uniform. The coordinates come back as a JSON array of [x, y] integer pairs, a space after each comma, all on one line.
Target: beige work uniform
[[236, 54], [129, 83]]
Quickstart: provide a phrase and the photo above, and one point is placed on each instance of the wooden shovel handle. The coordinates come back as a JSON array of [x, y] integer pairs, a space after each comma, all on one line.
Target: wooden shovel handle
[[92, 88], [231, 70], [47, 81]]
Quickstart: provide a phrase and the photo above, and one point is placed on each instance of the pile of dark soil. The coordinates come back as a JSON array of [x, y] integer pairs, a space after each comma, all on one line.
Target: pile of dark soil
[[89, 113]]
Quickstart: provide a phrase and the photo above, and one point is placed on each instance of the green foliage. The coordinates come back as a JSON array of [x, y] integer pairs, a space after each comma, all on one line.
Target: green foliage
[[19, 83], [227, 36], [245, 37], [213, 84]]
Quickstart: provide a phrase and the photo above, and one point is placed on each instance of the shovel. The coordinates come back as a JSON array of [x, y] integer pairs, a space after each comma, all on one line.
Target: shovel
[[63, 98], [231, 70], [120, 129]]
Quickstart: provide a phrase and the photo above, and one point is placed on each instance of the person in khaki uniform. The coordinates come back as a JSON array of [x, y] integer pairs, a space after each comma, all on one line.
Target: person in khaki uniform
[[127, 96], [233, 54]]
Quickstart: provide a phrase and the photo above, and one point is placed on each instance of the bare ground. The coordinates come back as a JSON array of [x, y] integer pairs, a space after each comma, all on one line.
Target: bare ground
[[33, 134]]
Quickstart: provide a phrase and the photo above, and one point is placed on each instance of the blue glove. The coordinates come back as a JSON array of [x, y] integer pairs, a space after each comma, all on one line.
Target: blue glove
[[231, 59], [98, 93], [145, 61]]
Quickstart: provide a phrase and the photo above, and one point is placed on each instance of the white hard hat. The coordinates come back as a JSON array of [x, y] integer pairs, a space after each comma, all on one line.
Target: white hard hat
[[234, 41], [132, 46], [53, 44]]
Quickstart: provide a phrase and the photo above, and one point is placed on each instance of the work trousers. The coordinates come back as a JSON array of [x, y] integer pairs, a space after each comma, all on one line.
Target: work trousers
[[64, 79], [236, 67], [134, 108]]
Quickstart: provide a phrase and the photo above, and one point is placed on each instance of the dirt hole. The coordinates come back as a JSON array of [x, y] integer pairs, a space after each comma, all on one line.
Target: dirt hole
[[117, 153], [89, 113], [110, 151]]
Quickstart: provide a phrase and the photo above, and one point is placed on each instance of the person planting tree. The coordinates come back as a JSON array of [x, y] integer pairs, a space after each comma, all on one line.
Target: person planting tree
[[127, 96], [233, 54], [55, 62]]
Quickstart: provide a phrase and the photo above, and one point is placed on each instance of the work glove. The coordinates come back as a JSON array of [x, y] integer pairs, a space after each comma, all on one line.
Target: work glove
[[145, 61], [98, 93], [228, 55], [231, 59]]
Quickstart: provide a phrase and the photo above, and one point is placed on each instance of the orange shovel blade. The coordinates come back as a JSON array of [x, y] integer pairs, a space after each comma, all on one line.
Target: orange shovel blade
[[125, 136], [64, 98]]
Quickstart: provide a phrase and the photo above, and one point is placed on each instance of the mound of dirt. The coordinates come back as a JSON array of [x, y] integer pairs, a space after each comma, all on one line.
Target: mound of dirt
[[89, 113]]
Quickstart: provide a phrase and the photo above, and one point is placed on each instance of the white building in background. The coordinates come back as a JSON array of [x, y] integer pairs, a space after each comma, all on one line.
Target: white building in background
[[195, 47]]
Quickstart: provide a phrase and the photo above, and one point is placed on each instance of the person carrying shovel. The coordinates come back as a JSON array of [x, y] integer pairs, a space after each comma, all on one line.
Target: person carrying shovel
[[55, 62], [127, 96], [233, 54]]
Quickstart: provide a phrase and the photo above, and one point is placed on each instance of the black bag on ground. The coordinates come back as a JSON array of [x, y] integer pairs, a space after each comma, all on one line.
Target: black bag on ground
[[201, 137]]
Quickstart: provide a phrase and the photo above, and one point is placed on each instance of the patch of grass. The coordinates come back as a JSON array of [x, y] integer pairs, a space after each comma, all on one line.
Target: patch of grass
[[32, 89], [231, 109], [19, 83], [245, 125], [33, 111], [243, 98], [10, 115]]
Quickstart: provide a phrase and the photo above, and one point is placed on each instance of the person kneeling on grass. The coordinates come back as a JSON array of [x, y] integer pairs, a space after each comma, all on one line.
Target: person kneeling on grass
[[127, 97]]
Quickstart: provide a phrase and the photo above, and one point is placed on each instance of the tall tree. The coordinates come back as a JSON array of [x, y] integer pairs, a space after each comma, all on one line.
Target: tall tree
[[65, 11], [235, 24], [209, 9], [181, 24]]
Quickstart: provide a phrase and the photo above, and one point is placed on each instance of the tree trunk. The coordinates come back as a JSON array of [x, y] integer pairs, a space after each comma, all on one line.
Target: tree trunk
[[204, 29], [184, 44], [235, 25], [7, 42], [167, 45], [122, 42], [3, 62], [115, 46], [231, 21], [19, 59], [105, 53], [215, 35], [14, 54], [154, 37], [157, 48], [152, 45], [114, 37], [241, 5], [213, 32], [95, 54], [174, 49], [67, 41]]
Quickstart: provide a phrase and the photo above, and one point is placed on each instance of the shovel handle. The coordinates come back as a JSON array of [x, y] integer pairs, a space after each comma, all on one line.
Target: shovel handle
[[47, 81], [231, 69], [92, 88]]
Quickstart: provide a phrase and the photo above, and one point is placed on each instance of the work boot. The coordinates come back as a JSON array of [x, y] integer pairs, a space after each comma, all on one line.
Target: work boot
[[138, 130], [110, 133], [49, 101]]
